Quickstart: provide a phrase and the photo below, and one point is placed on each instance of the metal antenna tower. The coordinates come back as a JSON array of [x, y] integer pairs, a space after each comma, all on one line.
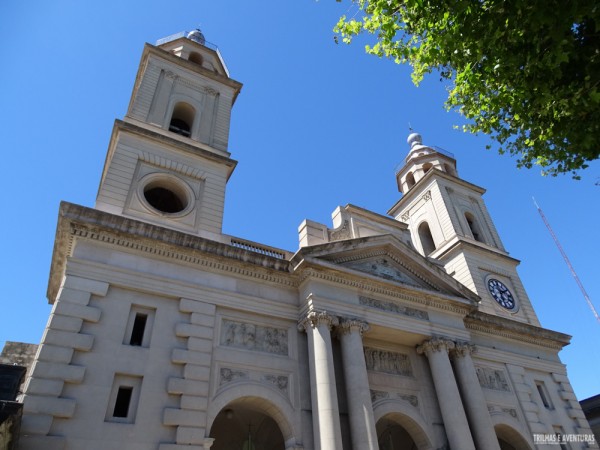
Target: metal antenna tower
[[566, 258]]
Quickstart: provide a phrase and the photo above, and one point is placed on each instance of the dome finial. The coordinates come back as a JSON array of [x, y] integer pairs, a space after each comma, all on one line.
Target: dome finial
[[414, 139], [196, 36]]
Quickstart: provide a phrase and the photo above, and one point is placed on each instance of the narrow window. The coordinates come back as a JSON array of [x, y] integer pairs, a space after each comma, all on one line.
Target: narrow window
[[426, 238], [427, 167], [410, 180], [124, 398], [541, 388], [473, 227], [448, 169], [122, 401], [139, 325], [182, 119]]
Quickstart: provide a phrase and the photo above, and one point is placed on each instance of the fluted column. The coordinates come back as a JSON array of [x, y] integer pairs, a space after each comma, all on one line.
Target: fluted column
[[453, 413], [325, 409], [475, 404], [360, 408]]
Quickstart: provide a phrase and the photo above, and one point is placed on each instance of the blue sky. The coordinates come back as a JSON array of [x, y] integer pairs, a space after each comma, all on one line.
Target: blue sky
[[317, 125]]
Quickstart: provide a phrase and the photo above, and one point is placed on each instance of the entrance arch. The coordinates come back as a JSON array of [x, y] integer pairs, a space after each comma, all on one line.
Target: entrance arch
[[268, 409], [510, 439], [400, 427], [245, 424]]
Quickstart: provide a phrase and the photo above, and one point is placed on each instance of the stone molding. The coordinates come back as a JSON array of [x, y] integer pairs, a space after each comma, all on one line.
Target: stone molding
[[373, 287], [515, 331], [178, 167], [348, 326], [316, 318], [79, 222], [435, 344]]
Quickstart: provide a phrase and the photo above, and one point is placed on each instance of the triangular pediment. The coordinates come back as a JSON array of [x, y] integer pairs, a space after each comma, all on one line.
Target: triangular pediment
[[384, 266], [388, 259]]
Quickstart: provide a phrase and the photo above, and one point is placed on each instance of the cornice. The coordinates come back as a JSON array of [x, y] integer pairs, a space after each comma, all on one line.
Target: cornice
[[516, 331], [417, 190], [337, 253], [367, 285], [78, 222]]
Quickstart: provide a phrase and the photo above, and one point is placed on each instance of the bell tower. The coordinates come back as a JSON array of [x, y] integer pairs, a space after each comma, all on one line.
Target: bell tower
[[450, 223], [168, 161]]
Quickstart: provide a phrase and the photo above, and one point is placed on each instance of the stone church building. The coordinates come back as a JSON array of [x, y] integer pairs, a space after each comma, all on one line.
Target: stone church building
[[400, 332]]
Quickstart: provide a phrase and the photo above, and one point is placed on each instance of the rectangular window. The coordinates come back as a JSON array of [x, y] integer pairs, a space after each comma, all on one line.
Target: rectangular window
[[124, 399], [541, 388], [560, 432], [139, 326]]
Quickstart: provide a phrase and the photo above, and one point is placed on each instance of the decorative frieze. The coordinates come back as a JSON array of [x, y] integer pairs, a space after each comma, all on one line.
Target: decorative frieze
[[383, 395], [228, 375], [495, 409], [254, 337], [280, 382], [490, 378], [427, 196], [393, 307], [340, 233], [388, 362], [405, 216]]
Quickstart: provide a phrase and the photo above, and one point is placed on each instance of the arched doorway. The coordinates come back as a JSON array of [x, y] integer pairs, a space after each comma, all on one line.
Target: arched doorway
[[510, 439], [391, 435], [244, 424]]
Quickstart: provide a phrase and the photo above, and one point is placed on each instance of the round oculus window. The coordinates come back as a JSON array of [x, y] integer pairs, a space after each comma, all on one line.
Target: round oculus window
[[166, 194]]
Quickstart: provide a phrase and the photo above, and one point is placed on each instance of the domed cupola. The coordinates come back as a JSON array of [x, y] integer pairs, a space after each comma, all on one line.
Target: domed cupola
[[420, 160]]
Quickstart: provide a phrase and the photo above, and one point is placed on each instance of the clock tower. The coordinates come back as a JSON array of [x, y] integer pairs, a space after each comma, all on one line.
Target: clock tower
[[450, 223]]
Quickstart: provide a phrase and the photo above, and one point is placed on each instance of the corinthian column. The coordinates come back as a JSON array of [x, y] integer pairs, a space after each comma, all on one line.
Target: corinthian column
[[325, 409], [362, 422], [453, 413], [475, 404]]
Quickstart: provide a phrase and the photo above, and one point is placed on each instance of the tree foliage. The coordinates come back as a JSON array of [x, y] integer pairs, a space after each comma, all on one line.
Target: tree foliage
[[525, 72]]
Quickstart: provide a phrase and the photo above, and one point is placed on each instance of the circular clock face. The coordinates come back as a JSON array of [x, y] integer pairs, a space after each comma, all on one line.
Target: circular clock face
[[501, 293]]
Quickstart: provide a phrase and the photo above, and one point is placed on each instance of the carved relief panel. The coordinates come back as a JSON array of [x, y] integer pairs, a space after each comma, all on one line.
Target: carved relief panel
[[249, 336]]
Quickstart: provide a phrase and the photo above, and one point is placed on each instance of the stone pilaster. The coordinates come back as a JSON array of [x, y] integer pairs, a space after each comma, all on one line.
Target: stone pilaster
[[474, 401], [52, 369], [362, 421], [453, 413], [190, 417], [325, 409]]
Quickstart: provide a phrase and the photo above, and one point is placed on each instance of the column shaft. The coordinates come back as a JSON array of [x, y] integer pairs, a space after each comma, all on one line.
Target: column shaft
[[325, 409], [475, 404], [453, 413], [360, 408]]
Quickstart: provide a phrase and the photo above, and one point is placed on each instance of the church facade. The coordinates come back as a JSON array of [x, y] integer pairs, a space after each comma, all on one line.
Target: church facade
[[406, 331]]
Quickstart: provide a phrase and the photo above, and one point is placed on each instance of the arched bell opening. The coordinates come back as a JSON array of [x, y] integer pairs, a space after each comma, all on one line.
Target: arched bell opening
[[246, 424]]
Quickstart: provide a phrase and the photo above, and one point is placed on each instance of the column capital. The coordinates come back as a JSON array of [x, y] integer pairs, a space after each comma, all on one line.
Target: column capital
[[435, 344], [315, 318], [462, 349], [348, 326]]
